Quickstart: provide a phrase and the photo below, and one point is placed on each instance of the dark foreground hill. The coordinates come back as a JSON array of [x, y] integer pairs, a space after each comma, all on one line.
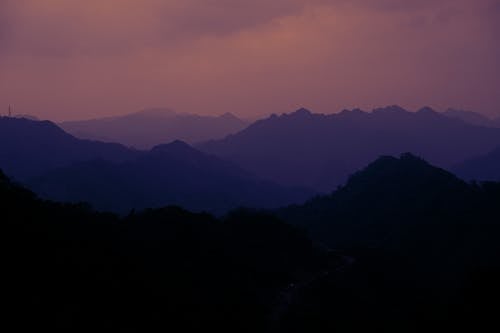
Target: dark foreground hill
[[171, 174], [67, 268], [407, 248], [148, 128], [321, 151], [422, 240]]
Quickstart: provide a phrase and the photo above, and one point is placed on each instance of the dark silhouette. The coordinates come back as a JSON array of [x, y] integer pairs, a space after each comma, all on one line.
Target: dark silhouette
[[403, 246], [70, 269], [151, 127], [174, 173], [423, 247], [480, 168], [321, 151]]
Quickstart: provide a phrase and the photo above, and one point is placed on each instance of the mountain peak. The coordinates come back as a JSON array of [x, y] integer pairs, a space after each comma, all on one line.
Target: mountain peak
[[470, 117], [302, 112], [155, 112], [427, 110], [229, 115], [407, 170], [177, 145], [352, 112], [390, 109], [25, 124]]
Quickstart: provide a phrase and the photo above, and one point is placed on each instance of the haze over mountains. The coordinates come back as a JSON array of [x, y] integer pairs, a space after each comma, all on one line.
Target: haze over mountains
[[273, 162], [170, 174], [29, 148], [401, 243], [472, 118], [240, 210], [151, 127], [320, 151], [112, 177]]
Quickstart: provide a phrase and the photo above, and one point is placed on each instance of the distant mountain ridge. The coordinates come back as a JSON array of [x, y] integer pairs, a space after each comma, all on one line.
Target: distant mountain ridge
[[113, 177], [321, 151], [472, 118], [150, 127], [30, 147], [170, 174]]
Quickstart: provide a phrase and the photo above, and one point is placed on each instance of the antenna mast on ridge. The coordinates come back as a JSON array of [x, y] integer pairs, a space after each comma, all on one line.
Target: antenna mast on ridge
[[10, 111]]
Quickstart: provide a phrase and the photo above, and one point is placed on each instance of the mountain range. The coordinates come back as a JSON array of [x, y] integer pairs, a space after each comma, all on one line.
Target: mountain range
[[472, 118], [320, 151], [29, 148], [170, 174], [151, 127], [403, 245], [113, 177], [273, 162]]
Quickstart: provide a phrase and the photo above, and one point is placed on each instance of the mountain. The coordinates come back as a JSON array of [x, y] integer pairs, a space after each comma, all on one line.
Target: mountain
[[387, 202], [171, 174], [402, 247], [320, 151], [72, 269], [481, 168], [471, 117], [151, 127], [29, 148], [26, 116], [423, 247]]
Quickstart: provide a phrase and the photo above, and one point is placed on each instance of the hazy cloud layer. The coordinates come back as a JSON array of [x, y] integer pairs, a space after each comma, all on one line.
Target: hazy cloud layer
[[69, 59]]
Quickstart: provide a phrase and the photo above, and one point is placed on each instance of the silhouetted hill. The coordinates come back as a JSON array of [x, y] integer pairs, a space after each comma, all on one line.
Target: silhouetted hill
[[29, 148], [481, 168], [151, 127], [71, 269], [424, 247], [321, 151], [387, 202], [470, 117], [174, 173], [412, 249]]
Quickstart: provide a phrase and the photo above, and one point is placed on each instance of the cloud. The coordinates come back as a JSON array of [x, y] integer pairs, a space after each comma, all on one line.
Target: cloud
[[74, 59], [60, 27]]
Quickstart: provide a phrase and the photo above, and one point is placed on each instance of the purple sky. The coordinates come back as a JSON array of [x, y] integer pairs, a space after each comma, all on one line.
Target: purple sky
[[72, 59]]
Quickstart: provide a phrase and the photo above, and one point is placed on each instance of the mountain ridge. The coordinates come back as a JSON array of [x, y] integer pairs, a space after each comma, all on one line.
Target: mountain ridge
[[29, 147], [321, 151], [148, 128], [169, 174]]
